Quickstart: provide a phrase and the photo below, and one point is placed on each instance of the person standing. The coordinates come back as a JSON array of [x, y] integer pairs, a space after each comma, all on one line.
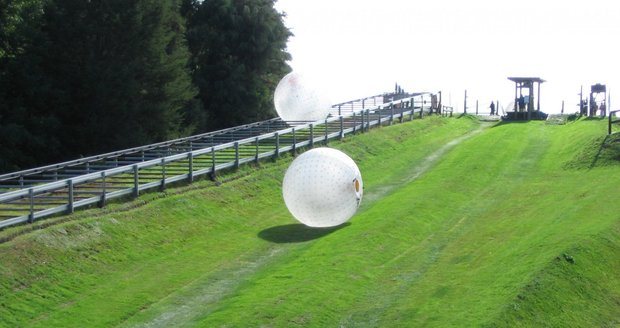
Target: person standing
[[492, 108]]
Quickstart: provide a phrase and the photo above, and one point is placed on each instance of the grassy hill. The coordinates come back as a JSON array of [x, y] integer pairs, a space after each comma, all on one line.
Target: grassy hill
[[462, 224]]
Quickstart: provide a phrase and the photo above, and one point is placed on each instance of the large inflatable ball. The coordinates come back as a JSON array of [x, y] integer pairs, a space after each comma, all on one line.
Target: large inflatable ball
[[299, 98], [322, 187]]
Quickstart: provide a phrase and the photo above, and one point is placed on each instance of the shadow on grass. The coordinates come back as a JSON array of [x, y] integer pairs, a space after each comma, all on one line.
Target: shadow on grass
[[296, 233]]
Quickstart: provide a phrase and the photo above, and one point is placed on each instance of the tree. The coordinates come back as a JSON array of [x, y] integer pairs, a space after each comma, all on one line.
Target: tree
[[27, 137], [238, 57], [103, 75], [118, 70]]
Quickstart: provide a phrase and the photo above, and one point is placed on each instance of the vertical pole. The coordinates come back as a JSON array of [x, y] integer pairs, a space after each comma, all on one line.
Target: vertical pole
[[70, 207], [562, 112], [421, 106], [341, 127], [538, 101], [31, 196], [326, 131], [311, 135], [362, 113], [237, 154], [190, 159], [163, 174], [516, 99], [465, 103], [102, 199], [354, 122], [277, 150], [339, 110], [136, 181], [294, 142], [256, 153], [367, 119], [213, 163], [476, 106]]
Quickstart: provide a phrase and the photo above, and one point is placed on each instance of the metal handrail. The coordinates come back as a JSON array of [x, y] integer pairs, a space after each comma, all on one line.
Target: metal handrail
[[30, 203], [617, 120]]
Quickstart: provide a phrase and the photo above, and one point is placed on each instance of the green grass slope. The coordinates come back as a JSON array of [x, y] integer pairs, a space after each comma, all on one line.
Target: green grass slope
[[461, 225]]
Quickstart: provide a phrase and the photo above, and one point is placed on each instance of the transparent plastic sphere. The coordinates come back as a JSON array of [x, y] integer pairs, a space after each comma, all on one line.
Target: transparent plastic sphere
[[299, 98], [322, 188]]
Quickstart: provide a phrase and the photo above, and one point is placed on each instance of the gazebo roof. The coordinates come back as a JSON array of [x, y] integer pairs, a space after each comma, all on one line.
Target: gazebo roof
[[526, 79]]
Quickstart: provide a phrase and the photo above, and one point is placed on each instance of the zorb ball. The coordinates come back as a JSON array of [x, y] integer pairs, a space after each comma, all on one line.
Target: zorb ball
[[299, 98], [322, 187]]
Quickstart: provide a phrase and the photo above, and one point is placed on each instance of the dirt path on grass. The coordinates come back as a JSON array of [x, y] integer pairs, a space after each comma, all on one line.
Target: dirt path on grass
[[201, 297], [416, 171]]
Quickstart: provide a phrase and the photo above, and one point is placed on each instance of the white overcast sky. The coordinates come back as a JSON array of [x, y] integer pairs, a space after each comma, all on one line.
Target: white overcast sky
[[361, 48]]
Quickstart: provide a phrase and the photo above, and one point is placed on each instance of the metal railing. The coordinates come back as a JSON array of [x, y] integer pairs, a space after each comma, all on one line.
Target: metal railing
[[612, 121], [181, 161]]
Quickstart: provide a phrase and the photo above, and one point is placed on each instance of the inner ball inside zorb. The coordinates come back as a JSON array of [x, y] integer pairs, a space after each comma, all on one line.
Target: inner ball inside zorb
[[323, 187], [300, 98]]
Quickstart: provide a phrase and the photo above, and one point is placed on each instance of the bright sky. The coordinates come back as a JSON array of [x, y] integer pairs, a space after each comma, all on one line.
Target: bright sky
[[361, 48]]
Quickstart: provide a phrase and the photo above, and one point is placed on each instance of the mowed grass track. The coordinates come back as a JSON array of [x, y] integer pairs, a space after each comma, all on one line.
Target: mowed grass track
[[512, 225]]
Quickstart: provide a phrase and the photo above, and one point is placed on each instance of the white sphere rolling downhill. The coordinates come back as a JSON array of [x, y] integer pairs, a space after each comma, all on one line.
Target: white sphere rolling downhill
[[322, 188], [298, 98]]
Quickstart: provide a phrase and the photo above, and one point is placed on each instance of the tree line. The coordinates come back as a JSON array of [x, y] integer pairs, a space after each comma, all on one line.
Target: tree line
[[82, 77]]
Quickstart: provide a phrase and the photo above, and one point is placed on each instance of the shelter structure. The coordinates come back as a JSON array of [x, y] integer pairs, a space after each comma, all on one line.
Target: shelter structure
[[524, 108], [598, 104]]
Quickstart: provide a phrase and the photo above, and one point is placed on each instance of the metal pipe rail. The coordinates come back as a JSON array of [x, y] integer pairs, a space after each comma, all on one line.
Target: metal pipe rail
[[611, 121], [96, 188], [55, 172]]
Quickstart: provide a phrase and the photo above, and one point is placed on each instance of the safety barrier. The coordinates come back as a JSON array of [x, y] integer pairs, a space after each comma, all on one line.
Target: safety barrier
[[612, 121], [64, 196]]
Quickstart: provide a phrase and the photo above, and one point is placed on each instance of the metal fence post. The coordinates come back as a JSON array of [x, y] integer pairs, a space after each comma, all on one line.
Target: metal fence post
[[163, 174], [256, 154], [70, 207], [341, 127], [102, 200], [136, 181], [236, 155], [277, 150], [362, 114], [326, 131], [190, 159], [212, 163], [311, 135], [294, 141], [31, 196]]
